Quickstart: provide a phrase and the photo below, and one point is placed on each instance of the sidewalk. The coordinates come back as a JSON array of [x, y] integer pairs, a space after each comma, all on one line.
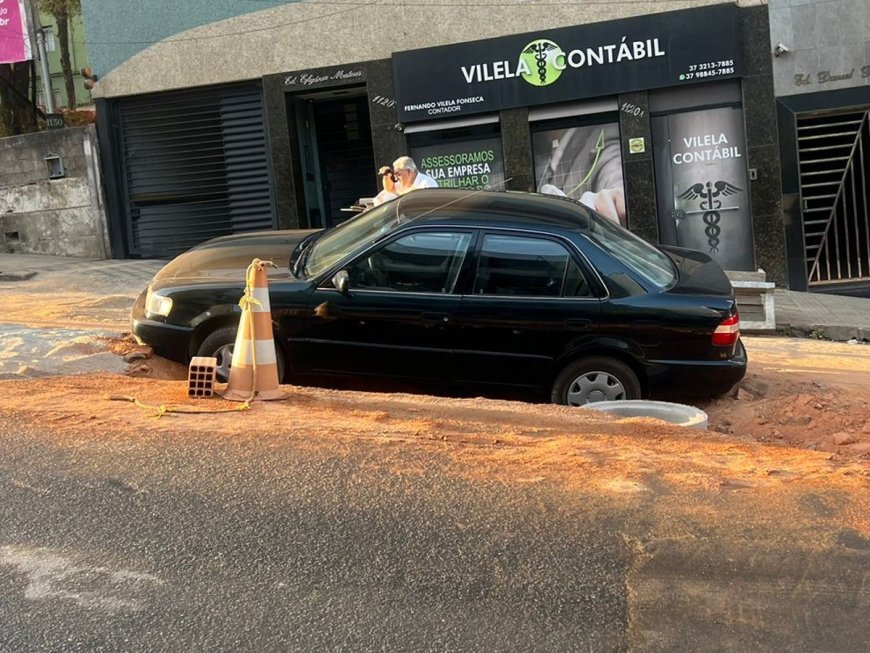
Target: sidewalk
[[831, 317], [106, 277]]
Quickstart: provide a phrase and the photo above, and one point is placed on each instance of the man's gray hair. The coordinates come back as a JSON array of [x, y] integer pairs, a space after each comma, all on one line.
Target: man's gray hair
[[404, 163]]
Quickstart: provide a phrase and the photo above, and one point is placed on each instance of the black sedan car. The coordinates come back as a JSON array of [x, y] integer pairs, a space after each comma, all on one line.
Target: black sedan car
[[478, 289]]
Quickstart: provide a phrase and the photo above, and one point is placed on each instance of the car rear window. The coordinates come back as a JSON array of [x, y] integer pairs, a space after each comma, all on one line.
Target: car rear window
[[645, 260]]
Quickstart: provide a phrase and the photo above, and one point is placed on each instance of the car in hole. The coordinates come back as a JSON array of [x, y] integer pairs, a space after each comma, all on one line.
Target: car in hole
[[451, 288]]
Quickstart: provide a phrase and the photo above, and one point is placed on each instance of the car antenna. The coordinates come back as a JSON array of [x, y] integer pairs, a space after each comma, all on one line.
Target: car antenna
[[458, 199]]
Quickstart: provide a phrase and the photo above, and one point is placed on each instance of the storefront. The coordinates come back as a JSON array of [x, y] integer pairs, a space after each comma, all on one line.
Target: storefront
[[604, 109], [665, 122]]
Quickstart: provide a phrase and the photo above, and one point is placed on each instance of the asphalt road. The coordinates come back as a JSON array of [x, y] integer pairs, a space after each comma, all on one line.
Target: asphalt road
[[192, 542], [194, 545]]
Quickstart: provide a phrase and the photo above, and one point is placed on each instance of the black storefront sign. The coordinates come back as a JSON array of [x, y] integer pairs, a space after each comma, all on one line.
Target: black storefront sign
[[570, 63]]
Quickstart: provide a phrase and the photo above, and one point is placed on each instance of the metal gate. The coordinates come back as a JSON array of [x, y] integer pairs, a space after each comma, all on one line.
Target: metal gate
[[195, 166], [834, 156]]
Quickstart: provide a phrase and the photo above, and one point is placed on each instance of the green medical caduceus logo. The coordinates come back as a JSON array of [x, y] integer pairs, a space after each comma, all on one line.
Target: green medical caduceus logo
[[540, 59]]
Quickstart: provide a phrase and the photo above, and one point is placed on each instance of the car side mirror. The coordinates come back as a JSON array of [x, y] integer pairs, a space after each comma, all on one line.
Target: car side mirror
[[341, 281]]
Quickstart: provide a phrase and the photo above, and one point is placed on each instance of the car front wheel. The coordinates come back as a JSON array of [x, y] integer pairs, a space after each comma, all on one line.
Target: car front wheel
[[595, 379], [220, 344]]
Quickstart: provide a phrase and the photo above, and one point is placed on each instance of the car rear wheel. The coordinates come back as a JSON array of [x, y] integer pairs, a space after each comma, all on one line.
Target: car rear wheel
[[220, 344], [595, 379]]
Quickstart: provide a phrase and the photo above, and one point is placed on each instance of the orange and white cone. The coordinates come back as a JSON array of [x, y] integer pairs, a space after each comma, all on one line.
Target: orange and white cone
[[254, 372]]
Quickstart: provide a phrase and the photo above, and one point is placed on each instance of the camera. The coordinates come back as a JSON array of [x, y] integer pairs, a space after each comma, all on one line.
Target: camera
[[780, 49], [399, 127], [388, 170]]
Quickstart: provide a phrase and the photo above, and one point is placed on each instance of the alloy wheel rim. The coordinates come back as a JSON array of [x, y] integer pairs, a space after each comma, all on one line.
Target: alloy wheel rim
[[595, 386]]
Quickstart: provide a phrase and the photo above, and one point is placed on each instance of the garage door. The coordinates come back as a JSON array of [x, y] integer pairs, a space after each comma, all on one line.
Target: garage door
[[195, 166]]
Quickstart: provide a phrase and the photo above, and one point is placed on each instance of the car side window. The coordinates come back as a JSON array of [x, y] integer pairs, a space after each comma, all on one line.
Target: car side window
[[527, 266], [422, 262], [575, 282]]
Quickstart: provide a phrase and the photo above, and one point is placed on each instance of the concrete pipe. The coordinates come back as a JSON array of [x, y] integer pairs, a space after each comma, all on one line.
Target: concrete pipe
[[678, 414]]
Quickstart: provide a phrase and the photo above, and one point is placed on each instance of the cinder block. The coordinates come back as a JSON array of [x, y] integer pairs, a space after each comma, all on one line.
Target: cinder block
[[201, 376]]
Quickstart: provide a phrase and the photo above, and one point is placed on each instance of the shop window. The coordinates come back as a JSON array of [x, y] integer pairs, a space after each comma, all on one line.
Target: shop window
[[460, 157], [581, 157]]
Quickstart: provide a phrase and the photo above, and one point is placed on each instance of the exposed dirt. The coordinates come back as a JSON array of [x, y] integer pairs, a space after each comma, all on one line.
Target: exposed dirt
[[629, 461], [801, 393], [774, 422], [807, 394]]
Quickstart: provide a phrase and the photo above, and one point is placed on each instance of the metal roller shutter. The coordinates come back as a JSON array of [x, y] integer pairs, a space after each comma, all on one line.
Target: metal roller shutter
[[196, 166]]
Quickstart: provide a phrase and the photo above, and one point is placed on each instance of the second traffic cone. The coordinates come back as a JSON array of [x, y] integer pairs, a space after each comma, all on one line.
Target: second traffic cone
[[254, 371]]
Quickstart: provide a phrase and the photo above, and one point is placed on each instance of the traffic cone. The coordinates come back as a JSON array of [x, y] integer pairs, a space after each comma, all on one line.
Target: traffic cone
[[254, 372]]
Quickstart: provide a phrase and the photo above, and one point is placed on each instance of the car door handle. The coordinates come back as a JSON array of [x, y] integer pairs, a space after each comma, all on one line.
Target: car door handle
[[436, 317], [578, 323]]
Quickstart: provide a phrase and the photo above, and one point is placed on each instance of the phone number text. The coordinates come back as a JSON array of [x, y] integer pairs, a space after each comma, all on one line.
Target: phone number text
[[709, 69]]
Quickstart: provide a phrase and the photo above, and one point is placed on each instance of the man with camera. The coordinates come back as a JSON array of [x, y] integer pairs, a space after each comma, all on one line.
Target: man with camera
[[400, 178]]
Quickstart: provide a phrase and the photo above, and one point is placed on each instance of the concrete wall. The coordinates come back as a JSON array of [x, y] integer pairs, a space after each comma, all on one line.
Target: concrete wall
[[828, 43], [307, 35], [62, 217]]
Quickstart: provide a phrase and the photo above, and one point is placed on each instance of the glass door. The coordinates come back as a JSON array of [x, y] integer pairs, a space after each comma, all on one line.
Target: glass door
[[702, 185]]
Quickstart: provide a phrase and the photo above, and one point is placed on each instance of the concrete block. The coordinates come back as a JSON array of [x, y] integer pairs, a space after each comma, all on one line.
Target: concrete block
[[201, 375], [753, 287]]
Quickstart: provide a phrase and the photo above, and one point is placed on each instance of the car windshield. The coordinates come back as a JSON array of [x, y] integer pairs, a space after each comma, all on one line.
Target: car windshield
[[335, 244], [645, 260]]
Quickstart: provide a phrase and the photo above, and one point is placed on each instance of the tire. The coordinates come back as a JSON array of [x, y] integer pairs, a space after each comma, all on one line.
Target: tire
[[595, 379], [219, 343]]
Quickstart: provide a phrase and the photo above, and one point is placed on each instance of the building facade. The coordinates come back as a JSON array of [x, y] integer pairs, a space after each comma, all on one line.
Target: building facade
[[821, 68], [662, 116], [78, 58]]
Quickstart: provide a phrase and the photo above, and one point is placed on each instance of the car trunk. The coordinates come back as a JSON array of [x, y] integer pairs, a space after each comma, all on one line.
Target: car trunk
[[698, 274], [701, 277]]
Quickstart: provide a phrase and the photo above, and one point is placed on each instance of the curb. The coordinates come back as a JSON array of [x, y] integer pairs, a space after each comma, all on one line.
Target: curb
[[824, 332]]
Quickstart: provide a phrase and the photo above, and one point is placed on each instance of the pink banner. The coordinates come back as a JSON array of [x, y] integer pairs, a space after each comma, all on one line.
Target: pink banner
[[14, 37]]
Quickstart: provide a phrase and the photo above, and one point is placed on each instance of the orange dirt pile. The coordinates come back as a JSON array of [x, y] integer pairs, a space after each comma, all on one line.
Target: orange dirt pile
[[806, 394], [617, 462], [511, 436], [801, 393]]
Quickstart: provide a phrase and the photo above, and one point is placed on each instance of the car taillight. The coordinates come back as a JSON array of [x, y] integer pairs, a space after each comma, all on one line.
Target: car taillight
[[728, 331]]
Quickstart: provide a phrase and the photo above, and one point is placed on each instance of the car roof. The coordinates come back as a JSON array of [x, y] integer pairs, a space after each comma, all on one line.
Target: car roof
[[496, 208]]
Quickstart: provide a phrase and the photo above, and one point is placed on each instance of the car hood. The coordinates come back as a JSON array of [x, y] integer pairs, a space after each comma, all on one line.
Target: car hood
[[697, 273], [226, 258]]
